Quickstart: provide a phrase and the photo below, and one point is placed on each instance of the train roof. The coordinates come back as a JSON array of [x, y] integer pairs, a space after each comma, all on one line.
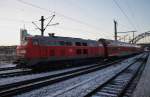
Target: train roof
[[60, 38], [119, 43], [71, 39]]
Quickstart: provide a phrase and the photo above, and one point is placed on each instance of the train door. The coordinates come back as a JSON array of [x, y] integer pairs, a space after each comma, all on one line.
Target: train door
[[105, 45], [35, 48], [43, 51]]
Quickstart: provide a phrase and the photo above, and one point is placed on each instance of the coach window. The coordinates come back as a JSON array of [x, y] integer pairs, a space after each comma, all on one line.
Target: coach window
[[78, 44], [78, 51]]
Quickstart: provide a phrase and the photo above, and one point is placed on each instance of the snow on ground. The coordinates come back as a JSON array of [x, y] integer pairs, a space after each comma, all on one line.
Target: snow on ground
[[99, 76], [9, 80], [14, 70], [88, 85], [5, 65]]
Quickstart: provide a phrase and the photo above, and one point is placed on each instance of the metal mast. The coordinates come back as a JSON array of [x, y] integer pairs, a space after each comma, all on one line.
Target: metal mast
[[115, 30], [42, 29]]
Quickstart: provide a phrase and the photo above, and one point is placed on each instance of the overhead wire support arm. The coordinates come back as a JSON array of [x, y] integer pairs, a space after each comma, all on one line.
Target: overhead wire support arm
[[49, 22], [36, 26], [54, 24], [43, 28]]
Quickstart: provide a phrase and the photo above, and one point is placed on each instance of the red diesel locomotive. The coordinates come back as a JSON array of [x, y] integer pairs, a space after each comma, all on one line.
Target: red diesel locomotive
[[53, 51]]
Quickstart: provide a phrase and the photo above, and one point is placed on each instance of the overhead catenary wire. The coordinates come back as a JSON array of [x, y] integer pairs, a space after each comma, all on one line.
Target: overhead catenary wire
[[59, 14], [124, 26], [14, 20], [128, 19], [133, 15]]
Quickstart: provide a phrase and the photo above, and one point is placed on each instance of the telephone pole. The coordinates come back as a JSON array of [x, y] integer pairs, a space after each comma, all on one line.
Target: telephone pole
[[115, 29]]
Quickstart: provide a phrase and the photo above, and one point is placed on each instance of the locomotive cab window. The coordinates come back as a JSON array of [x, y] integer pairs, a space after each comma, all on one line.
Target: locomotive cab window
[[35, 42], [25, 41]]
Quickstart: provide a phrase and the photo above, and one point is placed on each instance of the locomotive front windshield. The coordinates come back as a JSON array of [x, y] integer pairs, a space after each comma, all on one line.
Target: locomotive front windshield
[[25, 41]]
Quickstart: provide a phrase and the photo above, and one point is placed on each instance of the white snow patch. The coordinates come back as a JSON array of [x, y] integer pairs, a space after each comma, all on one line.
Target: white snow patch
[[10, 80], [7, 65]]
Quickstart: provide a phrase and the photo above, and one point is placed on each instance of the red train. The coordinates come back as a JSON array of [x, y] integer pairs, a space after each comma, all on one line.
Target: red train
[[37, 51]]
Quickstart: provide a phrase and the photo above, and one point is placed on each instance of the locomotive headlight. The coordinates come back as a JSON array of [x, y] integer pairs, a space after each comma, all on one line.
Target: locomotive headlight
[[22, 51]]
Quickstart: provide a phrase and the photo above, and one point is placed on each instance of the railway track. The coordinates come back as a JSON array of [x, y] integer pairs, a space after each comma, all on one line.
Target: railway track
[[132, 85], [27, 85], [91, 86], [122, 84], [7, 68], [14, 72]]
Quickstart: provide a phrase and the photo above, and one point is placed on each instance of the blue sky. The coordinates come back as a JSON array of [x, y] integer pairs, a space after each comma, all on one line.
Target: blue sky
[[88, 19]]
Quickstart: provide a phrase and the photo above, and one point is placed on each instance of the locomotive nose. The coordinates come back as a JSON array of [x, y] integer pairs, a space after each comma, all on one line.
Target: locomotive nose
[[21, 51]]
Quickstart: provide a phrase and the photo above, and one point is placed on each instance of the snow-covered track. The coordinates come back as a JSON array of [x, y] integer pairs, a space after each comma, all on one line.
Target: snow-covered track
[[84, 86], [14, 72], [121, 84], [27, 85], [7, 68]]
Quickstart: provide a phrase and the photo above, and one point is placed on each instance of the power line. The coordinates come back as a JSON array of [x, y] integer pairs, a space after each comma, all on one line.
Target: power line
[[128, 19], [124, 26], [133, 15], [30, 4], [14, 20], [130, 9], [62, 15]]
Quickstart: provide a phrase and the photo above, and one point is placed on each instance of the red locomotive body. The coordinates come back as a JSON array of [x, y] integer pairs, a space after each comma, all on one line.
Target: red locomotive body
[[52, 50], [55, 49]]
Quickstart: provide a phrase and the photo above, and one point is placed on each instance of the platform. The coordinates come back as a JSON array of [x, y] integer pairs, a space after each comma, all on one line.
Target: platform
[[143, 87]]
